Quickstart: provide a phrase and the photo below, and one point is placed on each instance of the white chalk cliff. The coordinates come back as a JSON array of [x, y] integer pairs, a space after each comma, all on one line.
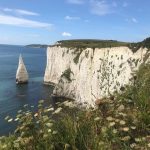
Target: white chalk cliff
[[90, 74], [21, 74]]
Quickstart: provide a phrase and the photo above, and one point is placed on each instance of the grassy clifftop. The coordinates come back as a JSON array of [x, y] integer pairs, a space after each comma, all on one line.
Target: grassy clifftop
[[90, 43]]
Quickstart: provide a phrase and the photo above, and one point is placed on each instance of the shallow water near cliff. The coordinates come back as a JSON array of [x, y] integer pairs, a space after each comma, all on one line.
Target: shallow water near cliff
[[12, 96]]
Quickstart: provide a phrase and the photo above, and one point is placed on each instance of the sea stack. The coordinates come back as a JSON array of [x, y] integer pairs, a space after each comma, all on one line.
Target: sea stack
[[22, 74]]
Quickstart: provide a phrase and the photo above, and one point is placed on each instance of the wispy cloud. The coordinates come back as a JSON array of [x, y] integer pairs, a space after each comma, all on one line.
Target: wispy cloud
[[101, 7], [21, 22], [76, 1], [134, 20], [72, 18], [65, 34], [20, 12]]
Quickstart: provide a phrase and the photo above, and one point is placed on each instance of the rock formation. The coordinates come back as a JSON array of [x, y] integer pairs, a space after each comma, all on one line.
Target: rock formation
[[22, 74], [90, 74]]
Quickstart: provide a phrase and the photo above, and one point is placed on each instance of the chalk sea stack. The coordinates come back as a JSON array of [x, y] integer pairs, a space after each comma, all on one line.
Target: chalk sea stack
[[22, 74]]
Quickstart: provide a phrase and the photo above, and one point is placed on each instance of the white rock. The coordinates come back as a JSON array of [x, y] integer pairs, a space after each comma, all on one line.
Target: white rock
[[96, 74], [22, 74]]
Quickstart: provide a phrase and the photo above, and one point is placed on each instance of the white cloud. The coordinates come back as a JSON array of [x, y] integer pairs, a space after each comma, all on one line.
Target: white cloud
[[7, 9], [134, 20], [15, 21], [125, 4], [72, 18], [66, 34], [131, 20], [25, 12], [100, 7], [75, 1], [20, 12]]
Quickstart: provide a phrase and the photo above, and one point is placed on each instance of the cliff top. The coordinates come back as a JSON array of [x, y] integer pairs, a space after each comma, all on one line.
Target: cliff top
[[91, 43]]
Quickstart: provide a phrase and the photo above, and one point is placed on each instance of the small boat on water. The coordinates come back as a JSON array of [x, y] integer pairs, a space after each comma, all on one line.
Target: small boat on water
[[22, 74]]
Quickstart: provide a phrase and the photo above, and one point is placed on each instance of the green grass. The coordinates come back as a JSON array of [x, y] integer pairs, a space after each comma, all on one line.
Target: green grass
[[91, 43]]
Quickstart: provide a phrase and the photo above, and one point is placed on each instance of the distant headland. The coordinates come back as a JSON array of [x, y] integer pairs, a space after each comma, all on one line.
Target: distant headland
[[36, 45]]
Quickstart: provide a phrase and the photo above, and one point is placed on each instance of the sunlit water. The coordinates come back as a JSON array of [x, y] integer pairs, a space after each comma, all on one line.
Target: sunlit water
[[12, 96]]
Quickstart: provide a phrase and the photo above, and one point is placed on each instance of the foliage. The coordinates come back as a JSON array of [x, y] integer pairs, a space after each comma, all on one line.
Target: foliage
[[78, 53], [67, 74], [113, 125], [89, 43], [119, 123], [139, 92], [83, 43]]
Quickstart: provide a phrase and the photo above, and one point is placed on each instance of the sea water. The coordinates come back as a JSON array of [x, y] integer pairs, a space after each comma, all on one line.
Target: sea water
[[12, 96]]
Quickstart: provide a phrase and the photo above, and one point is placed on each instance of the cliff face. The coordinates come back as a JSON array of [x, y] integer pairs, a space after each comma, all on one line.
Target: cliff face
[[89, 74]]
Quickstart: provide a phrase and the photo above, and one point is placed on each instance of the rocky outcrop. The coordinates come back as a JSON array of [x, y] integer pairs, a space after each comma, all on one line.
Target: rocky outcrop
[[90, 74], [22, 74]]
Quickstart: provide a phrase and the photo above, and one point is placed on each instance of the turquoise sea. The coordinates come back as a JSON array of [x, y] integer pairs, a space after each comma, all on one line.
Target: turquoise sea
[[12, 96]]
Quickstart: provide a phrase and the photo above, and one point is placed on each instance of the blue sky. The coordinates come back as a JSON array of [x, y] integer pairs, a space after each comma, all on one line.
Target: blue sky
[[47, 21]]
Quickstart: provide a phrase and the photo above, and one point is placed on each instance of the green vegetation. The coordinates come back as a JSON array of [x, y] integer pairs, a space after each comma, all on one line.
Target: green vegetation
[[67, 74], [78, 53], [37, 46], [119, 122], [139, 93], [145, 44], [89, 43]]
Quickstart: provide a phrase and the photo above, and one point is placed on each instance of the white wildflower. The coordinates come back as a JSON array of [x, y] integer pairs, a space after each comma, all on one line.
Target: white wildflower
[[54, 132], [126, 138], [132, 145], [10, 120], [57, 110], [133, 127], [16, 119], [109, 118], [97, 119], [114, 131], [122, 122], [49, 124], [138, 140], [111, 124], [50, 109], [126, 129]]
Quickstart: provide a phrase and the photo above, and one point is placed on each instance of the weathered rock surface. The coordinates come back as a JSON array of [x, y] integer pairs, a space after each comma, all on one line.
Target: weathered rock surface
[[90, 74], [22, 74]]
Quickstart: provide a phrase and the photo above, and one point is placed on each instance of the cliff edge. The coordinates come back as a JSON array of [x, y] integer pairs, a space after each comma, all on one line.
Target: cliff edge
[[86, 74]]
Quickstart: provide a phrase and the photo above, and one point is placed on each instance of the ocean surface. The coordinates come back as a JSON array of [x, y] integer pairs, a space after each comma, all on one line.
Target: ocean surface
[[12, 96]]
